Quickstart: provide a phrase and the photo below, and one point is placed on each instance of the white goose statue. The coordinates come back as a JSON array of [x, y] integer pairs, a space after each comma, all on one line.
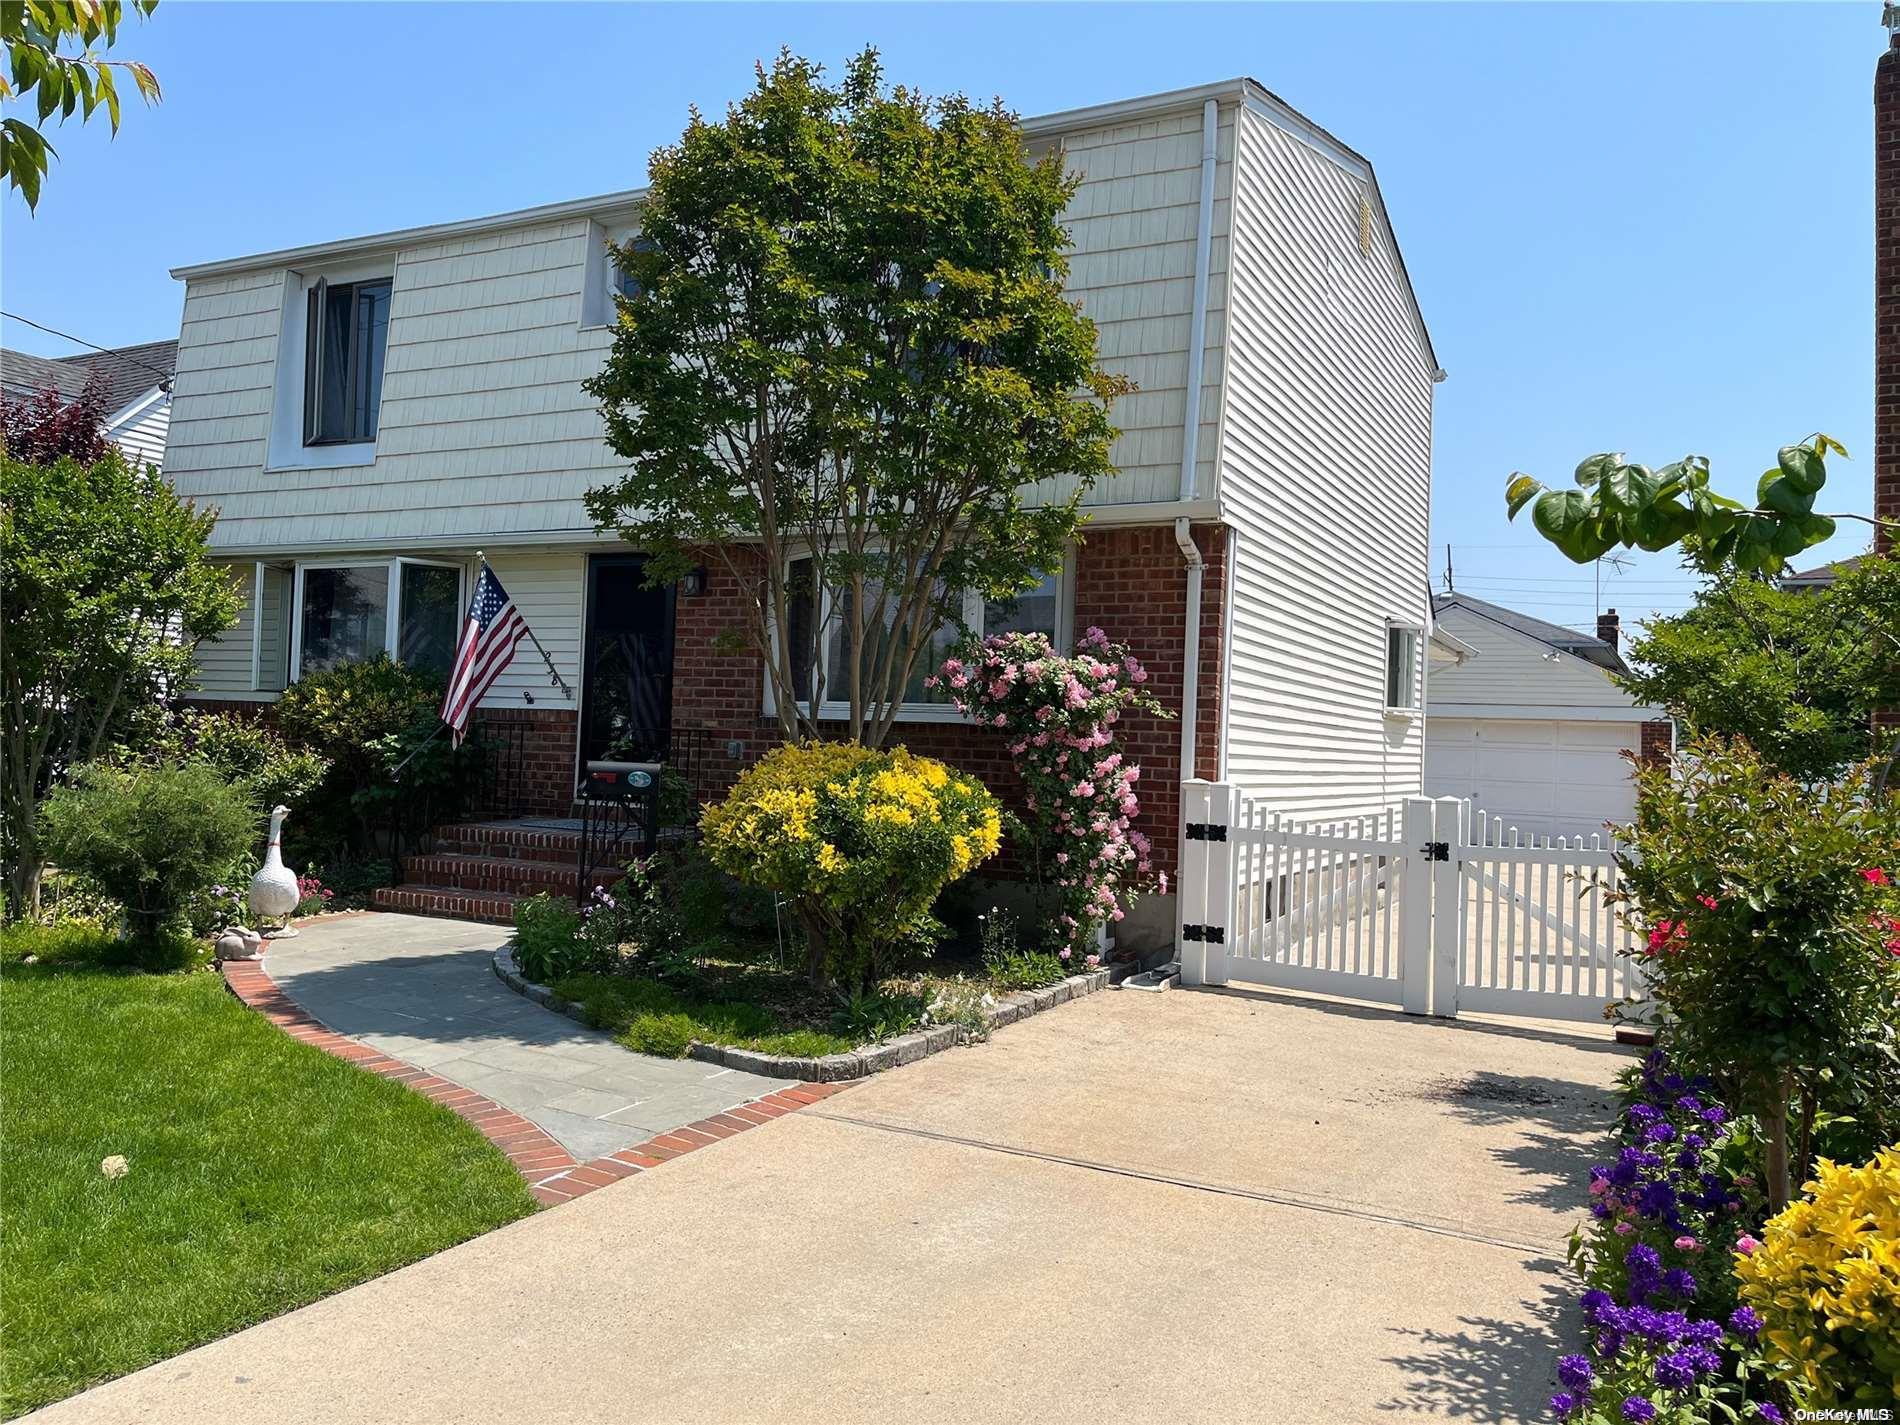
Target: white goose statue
[[274, 888]]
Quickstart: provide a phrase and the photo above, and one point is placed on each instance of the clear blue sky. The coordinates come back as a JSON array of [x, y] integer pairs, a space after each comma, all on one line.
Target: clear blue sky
[[1644, 228]]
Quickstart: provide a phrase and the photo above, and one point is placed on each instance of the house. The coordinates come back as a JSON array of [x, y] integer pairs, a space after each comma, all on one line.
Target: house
[[1531, 726], [1262, 544], [138, 389]]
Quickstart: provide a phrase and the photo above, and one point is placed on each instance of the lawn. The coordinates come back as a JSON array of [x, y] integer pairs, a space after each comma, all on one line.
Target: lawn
[[263, 1173]]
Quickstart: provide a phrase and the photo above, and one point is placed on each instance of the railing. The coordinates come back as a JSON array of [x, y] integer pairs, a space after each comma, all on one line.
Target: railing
[[501, 793], [631, 806]]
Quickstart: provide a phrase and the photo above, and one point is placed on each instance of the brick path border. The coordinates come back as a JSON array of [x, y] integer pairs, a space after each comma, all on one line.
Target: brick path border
[[554, 1175]]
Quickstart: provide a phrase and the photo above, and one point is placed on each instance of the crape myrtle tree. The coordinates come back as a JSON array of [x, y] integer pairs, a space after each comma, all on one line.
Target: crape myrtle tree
[[842, 355], [106, 591]]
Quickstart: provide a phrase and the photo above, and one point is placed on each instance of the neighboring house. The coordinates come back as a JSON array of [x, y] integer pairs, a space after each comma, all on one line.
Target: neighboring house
[[138, 389], [1530, 726], [1262, 545], [1822, 576]]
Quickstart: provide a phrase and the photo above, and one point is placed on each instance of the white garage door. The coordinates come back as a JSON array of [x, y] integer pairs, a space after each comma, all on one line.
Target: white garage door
[[1559, 778]]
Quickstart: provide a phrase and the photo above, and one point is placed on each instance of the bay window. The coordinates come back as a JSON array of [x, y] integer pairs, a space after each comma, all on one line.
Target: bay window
[[348, 612]]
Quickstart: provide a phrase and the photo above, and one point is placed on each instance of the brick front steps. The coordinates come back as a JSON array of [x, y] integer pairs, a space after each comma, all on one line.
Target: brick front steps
[[477, 871], [554, 1175]]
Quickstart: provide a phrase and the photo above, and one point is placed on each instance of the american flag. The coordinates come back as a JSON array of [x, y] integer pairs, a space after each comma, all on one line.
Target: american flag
[[495, 626]]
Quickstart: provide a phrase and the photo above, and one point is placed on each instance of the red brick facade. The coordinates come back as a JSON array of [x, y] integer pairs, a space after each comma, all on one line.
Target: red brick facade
[[536, 772], [1659, 741], [1887, 288], [1130, 582]]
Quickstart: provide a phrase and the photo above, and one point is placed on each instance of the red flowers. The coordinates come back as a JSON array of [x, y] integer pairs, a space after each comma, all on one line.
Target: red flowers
[[1669, 935], [1874, 876], [1706, 902]]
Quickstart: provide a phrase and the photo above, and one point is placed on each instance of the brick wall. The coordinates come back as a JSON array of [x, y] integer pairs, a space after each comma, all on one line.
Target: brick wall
[[1887, 307], [1131, 582], [1887, 287], [1658, 740]]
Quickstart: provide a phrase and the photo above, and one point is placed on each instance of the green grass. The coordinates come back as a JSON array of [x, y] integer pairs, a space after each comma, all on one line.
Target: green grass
[[653, 1018], [264, 1173]]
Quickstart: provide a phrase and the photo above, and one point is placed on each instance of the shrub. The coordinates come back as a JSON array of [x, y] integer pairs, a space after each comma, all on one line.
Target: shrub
[[1825, 1281], [652, 1018], [861, 842], [871, 1016], [367, 718], [1771, 930], [246, 752], [152, 838], [548, 938], [1059, 714]]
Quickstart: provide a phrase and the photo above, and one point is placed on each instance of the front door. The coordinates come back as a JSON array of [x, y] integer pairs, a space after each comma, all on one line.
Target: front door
[[626, 664]]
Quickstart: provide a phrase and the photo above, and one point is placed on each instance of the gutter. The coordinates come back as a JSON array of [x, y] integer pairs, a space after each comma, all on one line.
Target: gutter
[[1191, 441]]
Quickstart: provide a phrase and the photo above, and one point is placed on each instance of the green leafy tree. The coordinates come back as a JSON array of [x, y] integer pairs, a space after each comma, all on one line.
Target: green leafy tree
[[1622, 504], [37, 72], [844, 355], [107, 588], [1798, 672], [1770, 920]]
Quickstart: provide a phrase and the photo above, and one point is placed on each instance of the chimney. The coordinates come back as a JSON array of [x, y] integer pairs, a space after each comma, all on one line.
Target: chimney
[[1608, 627], [1887, 281]]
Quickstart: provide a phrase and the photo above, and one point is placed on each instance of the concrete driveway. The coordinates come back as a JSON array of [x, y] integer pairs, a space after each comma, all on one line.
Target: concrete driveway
[[1207, 1206]]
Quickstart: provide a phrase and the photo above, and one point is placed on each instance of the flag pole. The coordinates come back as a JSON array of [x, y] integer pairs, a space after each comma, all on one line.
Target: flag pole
[[481, 562]]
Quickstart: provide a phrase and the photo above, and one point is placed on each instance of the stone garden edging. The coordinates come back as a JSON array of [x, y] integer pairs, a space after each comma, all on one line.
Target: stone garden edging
[[832, 1068]]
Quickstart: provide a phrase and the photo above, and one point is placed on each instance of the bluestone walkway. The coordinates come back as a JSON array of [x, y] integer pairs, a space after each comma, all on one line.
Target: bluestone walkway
[[424, 991]]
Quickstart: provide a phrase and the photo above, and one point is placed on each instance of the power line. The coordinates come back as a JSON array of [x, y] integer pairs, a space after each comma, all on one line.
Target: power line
[[165, 377]]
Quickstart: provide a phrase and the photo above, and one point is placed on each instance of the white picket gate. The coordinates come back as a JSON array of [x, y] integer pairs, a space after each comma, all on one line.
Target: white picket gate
[[1430, 906]]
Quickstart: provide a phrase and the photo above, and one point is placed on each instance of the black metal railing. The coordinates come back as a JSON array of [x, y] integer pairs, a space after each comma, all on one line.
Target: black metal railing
[[626, 808], [501, 788]]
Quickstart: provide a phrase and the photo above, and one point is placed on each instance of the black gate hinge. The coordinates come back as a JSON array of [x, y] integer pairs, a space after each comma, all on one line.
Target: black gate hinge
[[1206, 831], [1436, 851], [1206, 934]]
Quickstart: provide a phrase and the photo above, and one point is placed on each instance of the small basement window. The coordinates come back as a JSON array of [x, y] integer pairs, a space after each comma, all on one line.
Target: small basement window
[[1401, 667], [345, 336]]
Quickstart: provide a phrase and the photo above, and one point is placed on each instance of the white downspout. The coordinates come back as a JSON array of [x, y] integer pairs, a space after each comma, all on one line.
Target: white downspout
[[1191, 438]]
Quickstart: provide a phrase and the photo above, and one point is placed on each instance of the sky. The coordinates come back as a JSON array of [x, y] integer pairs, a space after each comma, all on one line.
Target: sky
[[1640, 228]]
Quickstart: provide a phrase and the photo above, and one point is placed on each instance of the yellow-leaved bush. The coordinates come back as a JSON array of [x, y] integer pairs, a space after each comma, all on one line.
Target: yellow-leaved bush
[[861, 842], [1826, 1283]]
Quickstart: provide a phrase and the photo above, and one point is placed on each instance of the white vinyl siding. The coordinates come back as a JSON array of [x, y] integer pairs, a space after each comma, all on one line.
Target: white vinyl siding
[[1326, 450], [1512, 669], [141, 434]]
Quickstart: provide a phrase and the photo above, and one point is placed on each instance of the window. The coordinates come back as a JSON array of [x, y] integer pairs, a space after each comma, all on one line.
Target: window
[[346, 613], [623, 282], [1401, 667], [346, 332], [1041, 609]]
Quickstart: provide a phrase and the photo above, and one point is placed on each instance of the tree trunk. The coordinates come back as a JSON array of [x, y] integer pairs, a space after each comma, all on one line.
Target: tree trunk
[[1774, 1127], [23, 884]]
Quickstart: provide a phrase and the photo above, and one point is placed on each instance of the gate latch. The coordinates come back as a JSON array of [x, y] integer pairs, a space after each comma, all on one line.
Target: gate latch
[[1206, 934], [1206, 831], [1436, 851]]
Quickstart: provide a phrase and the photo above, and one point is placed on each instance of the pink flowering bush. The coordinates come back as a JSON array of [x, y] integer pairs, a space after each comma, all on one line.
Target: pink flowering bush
[[1058, 715], [1770, 939]]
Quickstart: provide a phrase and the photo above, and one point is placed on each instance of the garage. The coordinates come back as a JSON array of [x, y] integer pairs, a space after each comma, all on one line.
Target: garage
[[1528, 720], [1559, 777]]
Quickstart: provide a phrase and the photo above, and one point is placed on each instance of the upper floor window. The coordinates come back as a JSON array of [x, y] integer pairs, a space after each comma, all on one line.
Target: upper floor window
[[344, 340], [623, 282]]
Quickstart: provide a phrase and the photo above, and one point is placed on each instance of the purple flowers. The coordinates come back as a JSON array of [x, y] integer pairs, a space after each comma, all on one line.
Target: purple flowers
[[1638, 1408], [1574, 1371], [1744, 1323], [1564, 1404]]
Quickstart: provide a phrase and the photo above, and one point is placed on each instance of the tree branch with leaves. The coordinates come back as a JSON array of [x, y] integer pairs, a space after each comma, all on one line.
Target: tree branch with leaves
[[34, 32]]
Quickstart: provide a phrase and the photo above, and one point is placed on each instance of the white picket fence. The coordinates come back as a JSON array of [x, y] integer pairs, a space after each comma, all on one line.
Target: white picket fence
[[1431, 905]]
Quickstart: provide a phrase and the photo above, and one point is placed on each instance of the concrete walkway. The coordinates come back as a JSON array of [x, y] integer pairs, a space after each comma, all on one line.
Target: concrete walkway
[[1196, 1206], [425, 991]]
